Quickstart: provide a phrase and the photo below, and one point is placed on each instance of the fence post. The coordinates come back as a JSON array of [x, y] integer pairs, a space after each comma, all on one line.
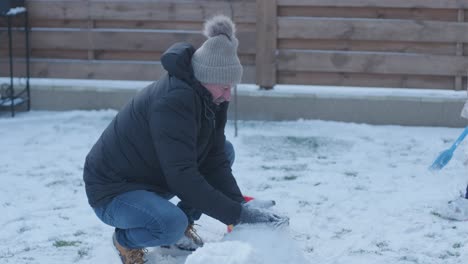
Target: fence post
[[90, 26], [459, 51], [265, 59]]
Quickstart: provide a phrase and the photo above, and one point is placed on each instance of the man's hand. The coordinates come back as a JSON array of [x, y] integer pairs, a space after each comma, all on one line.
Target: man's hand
[[254, 215]]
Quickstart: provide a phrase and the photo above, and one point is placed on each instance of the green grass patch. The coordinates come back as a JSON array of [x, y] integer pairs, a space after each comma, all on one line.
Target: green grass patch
[[290, 177], [457, 245], [64, 243]]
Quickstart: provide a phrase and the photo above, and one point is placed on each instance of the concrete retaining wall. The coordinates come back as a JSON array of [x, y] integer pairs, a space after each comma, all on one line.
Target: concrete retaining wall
[[360, 105]]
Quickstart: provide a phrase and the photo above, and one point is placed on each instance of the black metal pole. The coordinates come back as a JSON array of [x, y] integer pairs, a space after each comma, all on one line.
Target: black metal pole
[[10, 52], [26, 28], [235, 111]]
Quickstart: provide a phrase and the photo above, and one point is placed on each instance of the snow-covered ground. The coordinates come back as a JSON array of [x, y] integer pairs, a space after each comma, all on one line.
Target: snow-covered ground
[[354, 193]]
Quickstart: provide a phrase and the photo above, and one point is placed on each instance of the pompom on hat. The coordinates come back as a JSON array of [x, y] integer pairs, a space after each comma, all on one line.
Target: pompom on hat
[[216, 61]]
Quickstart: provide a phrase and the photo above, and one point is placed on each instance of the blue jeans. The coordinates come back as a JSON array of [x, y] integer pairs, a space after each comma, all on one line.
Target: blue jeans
[[143, 219], [146, 219]]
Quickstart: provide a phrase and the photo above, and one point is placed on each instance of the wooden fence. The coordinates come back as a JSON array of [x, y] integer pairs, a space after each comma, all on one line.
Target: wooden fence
[[392, 43], [96, 39]]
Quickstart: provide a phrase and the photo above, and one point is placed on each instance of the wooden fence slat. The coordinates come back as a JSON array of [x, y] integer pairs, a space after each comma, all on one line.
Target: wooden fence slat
[[160, 40], [48, 23], [75, 39], [16, 53], [366, 45], [122, 24], [183, 11], [371, 62], [58, 54], [369, 12], [136, 40], [372, 29], [102, 55], [104, 70], [366, 80], [373, 3], [44, 23], [62, 10], [83, 69], [142, 41], [54, 39], [168, 25], [150, 56], [127, 55], [240, 11]]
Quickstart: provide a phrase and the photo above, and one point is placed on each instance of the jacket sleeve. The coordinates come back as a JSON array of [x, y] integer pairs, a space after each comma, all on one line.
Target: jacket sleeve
[[174, 131], [216, 167]]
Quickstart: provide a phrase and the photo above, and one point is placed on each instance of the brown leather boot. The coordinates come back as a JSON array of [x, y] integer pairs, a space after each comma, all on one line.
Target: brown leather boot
[[191, 233], [129, 256], [191, 241]]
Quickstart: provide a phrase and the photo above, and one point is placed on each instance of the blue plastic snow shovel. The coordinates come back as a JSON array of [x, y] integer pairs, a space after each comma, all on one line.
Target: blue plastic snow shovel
[[446, 156]]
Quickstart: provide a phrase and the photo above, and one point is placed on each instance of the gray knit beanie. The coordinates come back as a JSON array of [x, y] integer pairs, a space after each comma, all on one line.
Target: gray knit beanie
[[216, 60]]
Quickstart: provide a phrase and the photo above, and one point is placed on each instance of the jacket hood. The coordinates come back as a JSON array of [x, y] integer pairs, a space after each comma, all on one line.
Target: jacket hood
[[177, 61]]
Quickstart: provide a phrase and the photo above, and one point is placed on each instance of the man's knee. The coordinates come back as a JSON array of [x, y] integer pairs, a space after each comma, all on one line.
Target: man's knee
[[230, 153], [169, 228]]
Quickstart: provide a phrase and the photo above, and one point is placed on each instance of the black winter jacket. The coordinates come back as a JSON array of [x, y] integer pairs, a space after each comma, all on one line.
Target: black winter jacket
[[168, 139]]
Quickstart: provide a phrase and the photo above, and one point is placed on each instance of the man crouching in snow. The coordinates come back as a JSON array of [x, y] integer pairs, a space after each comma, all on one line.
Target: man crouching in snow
[[169, 141]]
